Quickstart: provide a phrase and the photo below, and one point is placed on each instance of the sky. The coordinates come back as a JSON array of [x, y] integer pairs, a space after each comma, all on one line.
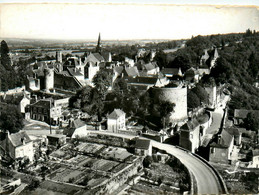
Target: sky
[[128, 20]]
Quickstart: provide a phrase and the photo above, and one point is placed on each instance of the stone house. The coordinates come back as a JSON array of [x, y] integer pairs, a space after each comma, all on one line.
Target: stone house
[[45, 110], [21, 100], [254, 163], [18, 145], [221, 150], [192, 75], [190, 135], [236, 133], [76, 128], [241, 114], [95, 58], [116, 120], [212, 93], [143, 147], [151, 68], [56, 140], [147, 82], [170, 72]]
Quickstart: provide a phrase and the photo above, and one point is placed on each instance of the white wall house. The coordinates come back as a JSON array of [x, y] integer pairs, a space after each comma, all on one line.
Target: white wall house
[[18, 145], [255, 159], [92, 70], [116, 120], [79, 127]]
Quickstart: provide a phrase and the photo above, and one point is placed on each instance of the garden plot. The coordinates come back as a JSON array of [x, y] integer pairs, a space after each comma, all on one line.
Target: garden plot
[[89, 148], [143, 187], [67, 175], [91, 178], [104, 165], [165, 173], [89, 162], [120, 167], [58, 154], [118, 154], [78, 160], [159, 178]]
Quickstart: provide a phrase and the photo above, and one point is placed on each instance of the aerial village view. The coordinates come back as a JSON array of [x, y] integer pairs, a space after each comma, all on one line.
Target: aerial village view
[[123, 114]]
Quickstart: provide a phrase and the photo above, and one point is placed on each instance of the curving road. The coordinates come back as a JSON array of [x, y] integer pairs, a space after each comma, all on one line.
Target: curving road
[[207, 182]]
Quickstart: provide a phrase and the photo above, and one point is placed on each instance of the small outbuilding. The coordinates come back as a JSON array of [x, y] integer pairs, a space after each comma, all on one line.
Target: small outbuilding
[[116, 120], [56, 139], [143, 147]]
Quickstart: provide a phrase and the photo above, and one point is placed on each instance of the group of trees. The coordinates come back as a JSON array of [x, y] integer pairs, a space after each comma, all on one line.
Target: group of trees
[[11, 119], [251, 122], [99, 101], [197, 96], [12, 74], [92, 99]]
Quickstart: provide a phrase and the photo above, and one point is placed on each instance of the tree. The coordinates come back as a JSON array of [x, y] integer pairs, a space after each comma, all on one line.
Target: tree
[[160, 58], [251, 121], [11, 119], [165, 108], [147, 161], [145, 102], [102, 81], [4, 48], [5, 59], [193, 101], [201, 93]]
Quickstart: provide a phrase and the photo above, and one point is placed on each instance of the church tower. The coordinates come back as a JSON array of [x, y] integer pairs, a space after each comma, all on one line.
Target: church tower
[[99, 46]]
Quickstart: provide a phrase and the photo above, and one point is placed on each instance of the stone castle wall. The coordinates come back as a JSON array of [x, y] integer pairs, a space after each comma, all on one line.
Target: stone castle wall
[[178, 96], [49, 79]]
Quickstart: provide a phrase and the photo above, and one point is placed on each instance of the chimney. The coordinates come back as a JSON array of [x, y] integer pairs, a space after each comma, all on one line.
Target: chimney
[[23, 140], [219, 138]]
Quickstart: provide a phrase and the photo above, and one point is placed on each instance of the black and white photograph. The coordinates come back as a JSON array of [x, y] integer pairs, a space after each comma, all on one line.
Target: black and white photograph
[[129, 97]]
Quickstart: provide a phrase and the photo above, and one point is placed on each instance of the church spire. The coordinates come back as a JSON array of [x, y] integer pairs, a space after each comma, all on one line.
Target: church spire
[[98, 47]]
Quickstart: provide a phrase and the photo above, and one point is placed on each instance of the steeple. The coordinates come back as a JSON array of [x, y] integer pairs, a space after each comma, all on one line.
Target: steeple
[[99, 46]]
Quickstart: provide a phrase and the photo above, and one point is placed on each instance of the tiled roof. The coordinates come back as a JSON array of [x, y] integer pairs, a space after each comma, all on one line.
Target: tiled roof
[[98, 56], [142, 144], [190, 125], [233, 131], [78, 123], [255, 152], [118, 69], [13, 98], [142, 80], [106, 55], [132, 71], [116, 114], [242, 113], [226, 139], [44, 103], [74, 73], [173, 71], [18, 138], [149, 66]]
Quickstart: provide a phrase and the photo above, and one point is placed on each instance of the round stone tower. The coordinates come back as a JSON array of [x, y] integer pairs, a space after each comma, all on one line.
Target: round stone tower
[[176, 95], [49, 78]]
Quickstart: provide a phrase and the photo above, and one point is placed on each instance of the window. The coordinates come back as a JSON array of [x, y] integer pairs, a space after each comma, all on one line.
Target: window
[[212, 150], [191, 136]]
